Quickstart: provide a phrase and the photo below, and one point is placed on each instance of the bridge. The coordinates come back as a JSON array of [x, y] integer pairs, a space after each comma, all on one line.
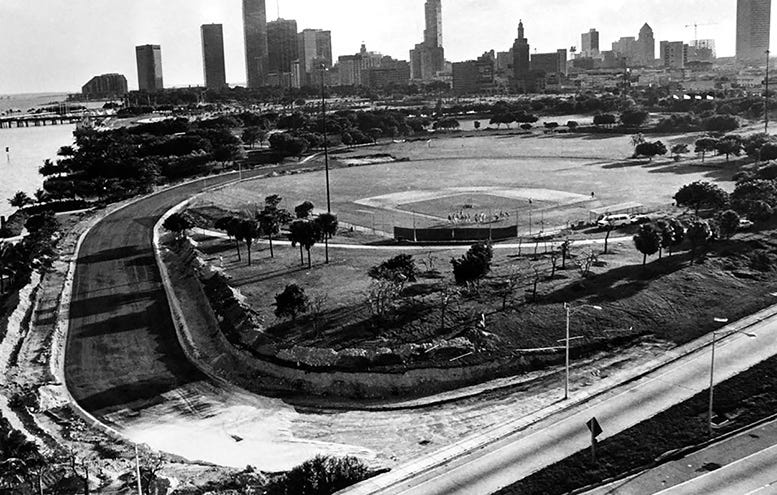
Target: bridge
[[40, 119]]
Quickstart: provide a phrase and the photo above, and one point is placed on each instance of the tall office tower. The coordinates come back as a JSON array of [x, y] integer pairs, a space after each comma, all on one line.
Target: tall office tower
[[521, 61], [674, 54], [255, 31], [646, 46], [213, 56], [753, 29], [589, 43], [149, 60], [282, 45], [433, 31], [427, 59]]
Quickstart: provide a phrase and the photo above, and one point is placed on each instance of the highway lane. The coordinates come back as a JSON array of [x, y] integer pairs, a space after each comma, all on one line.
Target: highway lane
[[755, 474], [496, 466]]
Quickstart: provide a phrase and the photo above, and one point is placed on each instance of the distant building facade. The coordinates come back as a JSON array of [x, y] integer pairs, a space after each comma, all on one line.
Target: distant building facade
[[674, 54], [475, 76], [521, 61], [255, 33], [589, 44], [753, 30], [646, 47], [149, 62], [282, 45], [427, 59], [314, 50], [213, 56], [105, 86], [550, 63]]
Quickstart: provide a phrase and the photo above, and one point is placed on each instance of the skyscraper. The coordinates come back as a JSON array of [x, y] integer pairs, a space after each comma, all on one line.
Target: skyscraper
[[753, 30], [149, 60], [255, 31], [213, 56], [282, 46], [646, 46], [521, 61], [589, 43], [427, 59]]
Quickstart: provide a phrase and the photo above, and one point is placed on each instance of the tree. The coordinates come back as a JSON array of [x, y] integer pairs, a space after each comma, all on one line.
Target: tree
[[572, 125], [271, 218], [699, 195], [327, 224], [291, 302], [750, 193], [551, 126], [320, 476], [679, 149], [729, 223], [705, 145], [633, 118], [720, 123], [231, 226], [399, 269], [698, 233], [178, 224], [251, 135], [474, 265], [604, 119], [249, 231], [647, 241], [41, 196], [729, 145], [20, 200], [476, 125], [305, 233], [650, 149], [526, 127], [303, 210]]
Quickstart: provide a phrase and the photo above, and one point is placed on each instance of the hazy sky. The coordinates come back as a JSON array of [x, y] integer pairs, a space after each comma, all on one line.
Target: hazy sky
[[58, 45]]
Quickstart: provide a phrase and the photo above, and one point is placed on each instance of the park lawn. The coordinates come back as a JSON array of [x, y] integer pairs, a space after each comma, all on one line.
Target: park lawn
[[668, 299], [745, 398]]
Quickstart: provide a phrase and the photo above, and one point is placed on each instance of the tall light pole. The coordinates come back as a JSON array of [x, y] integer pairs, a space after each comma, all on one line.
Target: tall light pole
[[712, 369], [766, 96], [568, 309], [326, 143]]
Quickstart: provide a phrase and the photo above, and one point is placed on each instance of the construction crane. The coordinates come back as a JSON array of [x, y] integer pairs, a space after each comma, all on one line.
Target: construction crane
[[695, 27]]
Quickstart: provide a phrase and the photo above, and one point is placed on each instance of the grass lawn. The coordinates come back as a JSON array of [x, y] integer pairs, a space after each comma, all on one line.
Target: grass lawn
[[568, 163], [669, 299]]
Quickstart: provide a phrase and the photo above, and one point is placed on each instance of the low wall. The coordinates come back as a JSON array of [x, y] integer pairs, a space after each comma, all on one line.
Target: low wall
[[452, 234]]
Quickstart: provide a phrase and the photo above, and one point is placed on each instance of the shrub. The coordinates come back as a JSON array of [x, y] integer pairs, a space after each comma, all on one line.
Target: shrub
[[291, 302], [399, 269], [474, 265], [322, 475]]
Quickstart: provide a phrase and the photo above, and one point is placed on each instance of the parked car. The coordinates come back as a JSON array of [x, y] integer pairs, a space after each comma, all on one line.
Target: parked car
[[745, 224]]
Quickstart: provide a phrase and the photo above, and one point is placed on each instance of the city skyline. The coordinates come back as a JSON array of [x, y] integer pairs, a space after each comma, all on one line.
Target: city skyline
[[392, 28]]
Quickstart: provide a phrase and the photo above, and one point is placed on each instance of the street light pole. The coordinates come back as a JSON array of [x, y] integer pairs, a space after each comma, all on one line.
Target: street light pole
[[566, 378], [712, 384], [766, 96], [326, 143]]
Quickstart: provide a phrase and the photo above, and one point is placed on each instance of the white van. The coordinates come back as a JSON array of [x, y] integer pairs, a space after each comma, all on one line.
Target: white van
[[614, 220]]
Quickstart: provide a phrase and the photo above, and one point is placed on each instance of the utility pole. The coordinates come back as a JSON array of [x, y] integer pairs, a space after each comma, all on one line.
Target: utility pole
[[326, 144], [766, 96]]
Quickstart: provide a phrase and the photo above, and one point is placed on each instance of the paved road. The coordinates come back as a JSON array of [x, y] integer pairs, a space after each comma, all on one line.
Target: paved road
[[755, 474], [517, 456], [119, 317]]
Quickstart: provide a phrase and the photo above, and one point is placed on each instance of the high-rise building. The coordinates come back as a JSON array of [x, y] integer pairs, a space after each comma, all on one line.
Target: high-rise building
[[282, 45], [674, 54], [255, 31], [427, 59], [521, 60], [589, 44], [753, 30], [550, 63], [701, 51], [105, 86], [475, 76], [149, 60], [213, 56], [646, 46], [314, 49], [626, 50]]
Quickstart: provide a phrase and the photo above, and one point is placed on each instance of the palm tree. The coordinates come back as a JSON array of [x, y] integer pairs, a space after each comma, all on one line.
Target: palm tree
[[327, 224], [20, 200], [305, 233], [231, 226], [249, 231], [271, 218]]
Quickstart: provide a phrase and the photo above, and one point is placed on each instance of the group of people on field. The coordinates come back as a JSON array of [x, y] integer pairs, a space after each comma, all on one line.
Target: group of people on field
[[464, 217]]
